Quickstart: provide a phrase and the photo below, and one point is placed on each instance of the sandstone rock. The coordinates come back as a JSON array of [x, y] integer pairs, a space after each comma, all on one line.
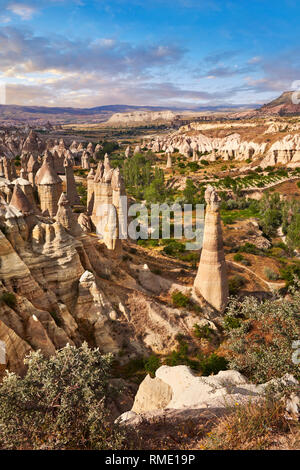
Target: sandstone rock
[[212, 264], [20, 201], [152, 394], [169, 162], [127, 152], [85, 222], [66, 217], [49, 187], [91, 312], [70, 182], [186, 391]]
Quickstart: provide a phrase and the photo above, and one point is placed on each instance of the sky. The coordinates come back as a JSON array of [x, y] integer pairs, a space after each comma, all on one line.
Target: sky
[[170, 53]]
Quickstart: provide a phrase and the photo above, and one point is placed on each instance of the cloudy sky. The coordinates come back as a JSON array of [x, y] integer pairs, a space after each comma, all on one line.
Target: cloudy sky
[[184, 53]]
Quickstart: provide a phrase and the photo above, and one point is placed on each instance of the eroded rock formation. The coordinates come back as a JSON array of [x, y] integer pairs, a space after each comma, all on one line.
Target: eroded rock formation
[[211, 281]]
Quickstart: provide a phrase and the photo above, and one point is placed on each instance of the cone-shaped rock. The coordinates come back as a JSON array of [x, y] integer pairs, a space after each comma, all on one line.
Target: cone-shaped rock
[[70, 182], [90, 189], [169, 162], [211, 281], [66, 217], [127, 152], [20, 201], [49, 187]]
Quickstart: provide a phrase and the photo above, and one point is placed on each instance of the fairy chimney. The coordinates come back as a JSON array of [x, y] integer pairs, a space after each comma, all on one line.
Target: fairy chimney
[[72, 195], [102, 193], [7, 168], [211, 281], [27, 189], [118, 190], [169, 162], [127, 152], [66, 217], [2, 175], [90, 190], [90, 147], [49, 187], [20, 202], [32, 169], [85, 160], [58, 159]]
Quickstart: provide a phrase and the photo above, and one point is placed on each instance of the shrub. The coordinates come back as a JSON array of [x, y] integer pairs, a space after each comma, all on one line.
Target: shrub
[[270, 274], [60, 403], [235, 283], [248, 427], [228, 219], [288, 273], [173, 247], [179, 299], [151, 364], [246, 262], [249, 248], [212, 364], [261, 348], [203, 331], [9, 299], [238, 257], [230, 322]]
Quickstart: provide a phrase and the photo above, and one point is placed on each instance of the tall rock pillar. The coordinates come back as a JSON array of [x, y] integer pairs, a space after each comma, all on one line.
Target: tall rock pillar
[[211, 281], [71, 190], [49, 187]]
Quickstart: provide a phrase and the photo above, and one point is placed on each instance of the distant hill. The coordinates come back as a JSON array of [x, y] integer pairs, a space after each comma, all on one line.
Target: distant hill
[[63, 115], [15, 114], [281, 106]]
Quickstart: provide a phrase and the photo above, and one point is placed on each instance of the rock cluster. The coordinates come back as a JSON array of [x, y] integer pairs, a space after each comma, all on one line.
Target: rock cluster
[[227, 148], [104, 191], [285, 151]]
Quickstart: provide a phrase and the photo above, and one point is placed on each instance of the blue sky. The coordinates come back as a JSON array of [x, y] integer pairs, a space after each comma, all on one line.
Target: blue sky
[[185, 53]]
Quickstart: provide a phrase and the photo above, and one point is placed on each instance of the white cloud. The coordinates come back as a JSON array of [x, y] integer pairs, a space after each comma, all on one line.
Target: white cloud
[[25, 12], [5, 19], [255, 60]]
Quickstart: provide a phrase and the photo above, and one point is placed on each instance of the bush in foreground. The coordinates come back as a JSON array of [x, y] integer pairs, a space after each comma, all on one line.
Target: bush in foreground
[[253, 426], [59, 404], [261, 345]]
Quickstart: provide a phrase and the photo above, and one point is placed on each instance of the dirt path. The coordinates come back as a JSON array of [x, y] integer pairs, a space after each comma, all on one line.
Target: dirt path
[[271, 285]]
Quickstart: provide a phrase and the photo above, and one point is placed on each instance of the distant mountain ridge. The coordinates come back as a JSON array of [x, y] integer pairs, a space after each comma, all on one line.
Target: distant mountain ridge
[[282, 106], [40, 115], [63, 115]]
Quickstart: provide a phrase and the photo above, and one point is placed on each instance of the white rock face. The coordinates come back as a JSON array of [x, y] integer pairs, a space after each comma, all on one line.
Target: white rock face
[[189, 391], [141, 116], [229, 147], [153, 394], [177, 388]]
